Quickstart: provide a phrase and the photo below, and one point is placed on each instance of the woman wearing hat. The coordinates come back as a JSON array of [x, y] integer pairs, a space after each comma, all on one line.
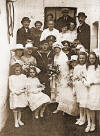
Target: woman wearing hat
[[24, 33], [83, 31], [28, 59], [60, 60], [16, 54]]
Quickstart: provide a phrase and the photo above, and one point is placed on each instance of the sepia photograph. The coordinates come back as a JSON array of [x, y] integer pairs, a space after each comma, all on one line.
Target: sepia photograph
[[49, 67]]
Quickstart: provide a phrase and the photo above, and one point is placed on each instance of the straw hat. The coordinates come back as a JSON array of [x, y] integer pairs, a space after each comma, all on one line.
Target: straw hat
[[79, 46], [57, 45], [28, 45], [74, 57], [18, 47]]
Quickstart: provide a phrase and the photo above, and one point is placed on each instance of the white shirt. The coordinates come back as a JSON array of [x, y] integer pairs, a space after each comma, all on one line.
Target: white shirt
[[47, 32], [68, 36]]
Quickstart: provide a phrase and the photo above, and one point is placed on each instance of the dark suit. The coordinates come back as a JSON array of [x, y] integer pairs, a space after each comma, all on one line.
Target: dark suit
[[60, 21], [23, 36], [84, 35], [43, 59]]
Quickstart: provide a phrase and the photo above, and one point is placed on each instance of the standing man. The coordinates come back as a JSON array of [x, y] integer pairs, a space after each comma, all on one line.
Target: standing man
[[83, 31], [64, 19], [49, 31], [24, 33]]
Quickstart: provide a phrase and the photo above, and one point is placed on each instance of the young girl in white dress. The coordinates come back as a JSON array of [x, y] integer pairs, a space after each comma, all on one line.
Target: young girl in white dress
[[79, 87], [18, 97], [92, 83], [36, 98]]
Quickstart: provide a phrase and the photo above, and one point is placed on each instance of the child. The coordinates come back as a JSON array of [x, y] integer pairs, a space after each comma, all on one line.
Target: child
[[36, 98], [92, 83], [18, 98], [79, 87]]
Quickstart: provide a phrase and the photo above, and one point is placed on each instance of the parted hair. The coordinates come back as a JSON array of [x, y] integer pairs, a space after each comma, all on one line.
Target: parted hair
[[96, 60], [82, 53]]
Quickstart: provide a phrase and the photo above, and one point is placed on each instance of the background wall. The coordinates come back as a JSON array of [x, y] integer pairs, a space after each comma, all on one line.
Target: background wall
[[35, 10], [4, 63]]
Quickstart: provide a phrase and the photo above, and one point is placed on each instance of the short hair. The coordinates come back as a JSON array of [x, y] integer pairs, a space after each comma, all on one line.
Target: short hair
[[38, 22]]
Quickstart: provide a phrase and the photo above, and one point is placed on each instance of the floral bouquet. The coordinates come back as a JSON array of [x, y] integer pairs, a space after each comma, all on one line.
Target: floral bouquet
[[53, 70], [70, 80]]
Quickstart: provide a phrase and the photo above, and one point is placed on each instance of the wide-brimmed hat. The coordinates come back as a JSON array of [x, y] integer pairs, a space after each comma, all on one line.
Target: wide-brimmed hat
[[18, 47], [81, 14], [74, 57], [79, 46], [25, 19], [57, 45], [29, 45]]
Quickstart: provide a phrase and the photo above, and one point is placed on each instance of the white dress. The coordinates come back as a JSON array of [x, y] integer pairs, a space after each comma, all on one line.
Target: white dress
[[93, 76], [68, 36], [61, 61], [63, 36], [65, 98], [79, 87], [35, 95], [17, 84], [67, 101], [72, 35]]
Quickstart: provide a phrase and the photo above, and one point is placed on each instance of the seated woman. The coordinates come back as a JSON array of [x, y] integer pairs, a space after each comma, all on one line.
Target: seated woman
[[28, 59], [16, 54]]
